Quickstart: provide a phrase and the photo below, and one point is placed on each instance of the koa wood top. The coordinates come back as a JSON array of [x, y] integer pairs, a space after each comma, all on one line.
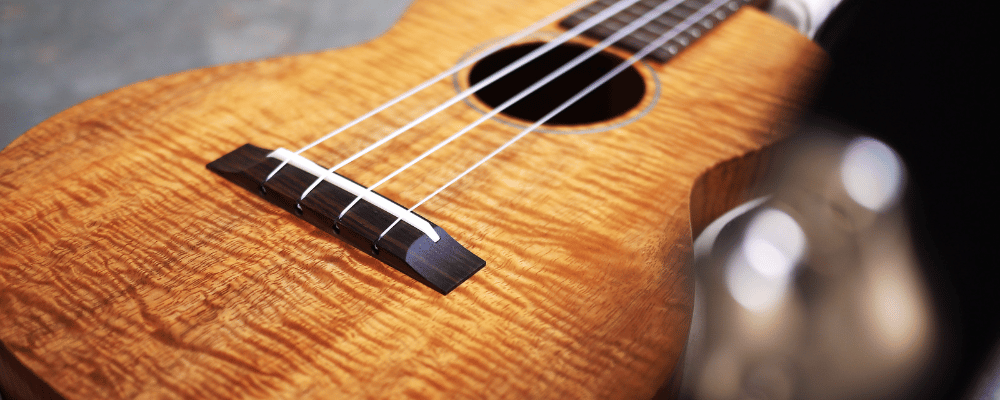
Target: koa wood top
[[129, 270]]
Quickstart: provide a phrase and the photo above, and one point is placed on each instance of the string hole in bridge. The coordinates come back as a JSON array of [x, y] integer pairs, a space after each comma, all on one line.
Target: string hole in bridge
[[375, 249], [612, 99], [298, 209]]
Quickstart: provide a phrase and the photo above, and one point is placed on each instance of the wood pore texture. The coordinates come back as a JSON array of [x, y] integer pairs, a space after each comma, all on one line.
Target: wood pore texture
[[128, 270]]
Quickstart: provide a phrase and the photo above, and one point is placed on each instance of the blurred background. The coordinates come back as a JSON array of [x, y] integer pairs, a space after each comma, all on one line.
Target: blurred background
[[904, 111], [57, 53]]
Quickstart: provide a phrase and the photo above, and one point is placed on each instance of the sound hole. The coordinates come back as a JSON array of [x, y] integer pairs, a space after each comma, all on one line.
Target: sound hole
[[612, 99]]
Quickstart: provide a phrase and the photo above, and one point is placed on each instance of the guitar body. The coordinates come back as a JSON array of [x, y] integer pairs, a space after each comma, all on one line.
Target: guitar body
[[128, 270]]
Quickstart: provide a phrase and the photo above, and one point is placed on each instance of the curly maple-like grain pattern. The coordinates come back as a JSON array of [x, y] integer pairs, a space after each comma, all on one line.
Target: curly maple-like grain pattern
[[130, 271]]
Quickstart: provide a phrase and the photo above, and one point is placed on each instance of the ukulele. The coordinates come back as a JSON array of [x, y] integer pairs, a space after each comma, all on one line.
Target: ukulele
[[163, 240]]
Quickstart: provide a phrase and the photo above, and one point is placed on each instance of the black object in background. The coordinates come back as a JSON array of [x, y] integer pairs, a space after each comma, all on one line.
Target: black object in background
[[918, 75]]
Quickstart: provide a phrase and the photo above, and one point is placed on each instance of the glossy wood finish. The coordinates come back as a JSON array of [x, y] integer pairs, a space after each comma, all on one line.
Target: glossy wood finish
[[441, 265], [128, 270]]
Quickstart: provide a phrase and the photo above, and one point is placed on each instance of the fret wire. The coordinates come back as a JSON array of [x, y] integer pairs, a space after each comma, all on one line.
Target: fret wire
[[661, 24], [681, 13], [614, 25], [607, 42], [595, 20], [698, 4], [600, 81], [623, 19], [601, 31], [646, 37], [506, 41], [668, 21]]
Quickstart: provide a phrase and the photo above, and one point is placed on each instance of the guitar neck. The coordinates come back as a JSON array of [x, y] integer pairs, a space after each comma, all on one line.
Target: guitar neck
[[129, 270], [676, 21]]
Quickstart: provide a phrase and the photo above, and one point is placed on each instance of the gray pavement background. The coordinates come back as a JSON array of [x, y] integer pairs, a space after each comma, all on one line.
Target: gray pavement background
[[57, 53]]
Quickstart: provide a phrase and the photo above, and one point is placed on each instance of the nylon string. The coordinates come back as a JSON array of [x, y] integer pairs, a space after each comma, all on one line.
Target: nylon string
[[618, 35], [661, 40], [503, 43], [597, 18]]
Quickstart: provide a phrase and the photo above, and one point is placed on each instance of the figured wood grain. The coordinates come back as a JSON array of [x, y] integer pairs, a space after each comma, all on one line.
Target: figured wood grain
[[128, 270], [441, 265]]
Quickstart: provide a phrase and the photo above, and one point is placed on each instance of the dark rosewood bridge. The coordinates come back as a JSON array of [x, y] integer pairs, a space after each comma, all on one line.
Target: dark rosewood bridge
[[403, 239], [416, 247]]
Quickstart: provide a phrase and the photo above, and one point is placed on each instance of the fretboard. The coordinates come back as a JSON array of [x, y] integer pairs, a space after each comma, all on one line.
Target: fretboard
[[657, 27]]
